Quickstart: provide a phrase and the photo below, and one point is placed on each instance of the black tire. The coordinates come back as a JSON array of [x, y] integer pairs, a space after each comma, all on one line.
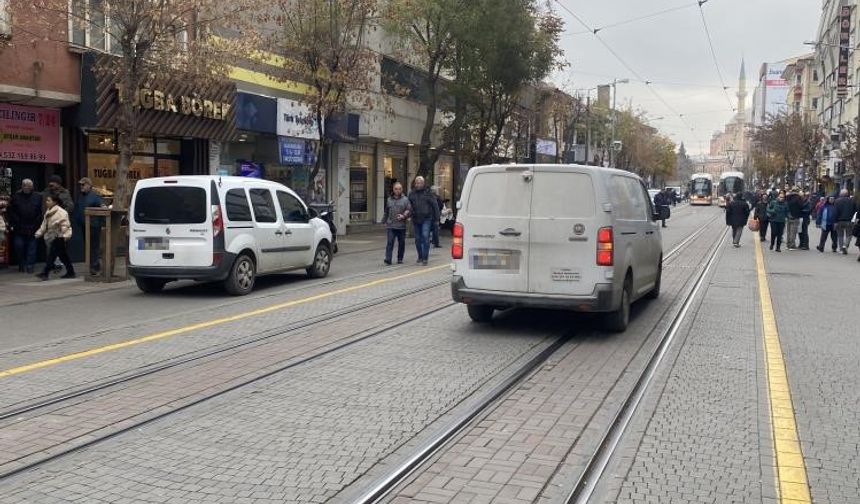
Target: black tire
[[322, 262], [481, 314], [618, 320], [150, 285], [242, 276], [655, 292]]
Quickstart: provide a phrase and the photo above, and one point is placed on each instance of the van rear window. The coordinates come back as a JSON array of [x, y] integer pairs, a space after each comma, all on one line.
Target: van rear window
[[170, 205], [500, 194], [563, 195]]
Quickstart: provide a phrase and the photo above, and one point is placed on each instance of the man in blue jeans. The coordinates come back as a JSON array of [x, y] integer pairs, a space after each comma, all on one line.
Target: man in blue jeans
[[425, 210], [398, 211], [25, 216]]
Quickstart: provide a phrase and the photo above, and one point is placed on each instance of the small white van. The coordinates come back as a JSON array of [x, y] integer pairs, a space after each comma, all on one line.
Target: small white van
[[570, 237], [221, 229]]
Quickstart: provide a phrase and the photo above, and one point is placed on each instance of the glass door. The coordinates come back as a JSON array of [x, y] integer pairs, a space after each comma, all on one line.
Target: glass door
[[360, 183]]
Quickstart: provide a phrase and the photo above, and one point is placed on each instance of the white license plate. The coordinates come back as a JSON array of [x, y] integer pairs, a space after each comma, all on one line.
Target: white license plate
[[566, 275], [495, 259], [153, 244]]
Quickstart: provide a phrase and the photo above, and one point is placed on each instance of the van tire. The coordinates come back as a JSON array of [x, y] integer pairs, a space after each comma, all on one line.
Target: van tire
[[242, 276], [481, 314], [618, 320], [322, 262], [655, 292], [150, 285]]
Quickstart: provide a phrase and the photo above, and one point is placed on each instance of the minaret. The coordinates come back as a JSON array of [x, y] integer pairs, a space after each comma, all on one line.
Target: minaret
[[742, 93]]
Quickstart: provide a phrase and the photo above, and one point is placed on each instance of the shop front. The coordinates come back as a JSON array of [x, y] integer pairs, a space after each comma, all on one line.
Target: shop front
[[30, 146]]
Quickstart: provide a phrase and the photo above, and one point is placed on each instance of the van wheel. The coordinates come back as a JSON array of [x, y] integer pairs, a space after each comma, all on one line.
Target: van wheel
[[618, 320], [481, 314], [242, 276], [150, 285], [322, 262], [655, 292]]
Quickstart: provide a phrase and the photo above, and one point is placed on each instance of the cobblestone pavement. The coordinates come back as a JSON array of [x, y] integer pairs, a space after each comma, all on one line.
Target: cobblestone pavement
[[816, 298], [703, 433], [301, 435], [533, 444]]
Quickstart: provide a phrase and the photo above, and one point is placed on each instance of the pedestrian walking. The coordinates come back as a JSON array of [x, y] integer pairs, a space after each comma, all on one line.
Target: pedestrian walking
[[795, 206], [57, 231], [89, 199], [397, 213], [25, 216], [60, 193], [826, 221], [425, 210], [437, 222], [661, 201], [737, 214], [845, 210], [761, 214], [805, 213], [777, 214]]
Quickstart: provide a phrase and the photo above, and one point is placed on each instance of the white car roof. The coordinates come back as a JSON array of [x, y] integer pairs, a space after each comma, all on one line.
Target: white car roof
[[221, 180]]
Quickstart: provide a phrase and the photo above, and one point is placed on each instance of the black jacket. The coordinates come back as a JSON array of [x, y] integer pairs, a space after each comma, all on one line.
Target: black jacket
[[25, 212], [761, 209], [844, 209], [424, 206], [795, 205], [737, 212]]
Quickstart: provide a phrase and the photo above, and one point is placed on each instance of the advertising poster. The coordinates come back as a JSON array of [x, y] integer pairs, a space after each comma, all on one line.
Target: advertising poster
[[249, 169], [29, 134]]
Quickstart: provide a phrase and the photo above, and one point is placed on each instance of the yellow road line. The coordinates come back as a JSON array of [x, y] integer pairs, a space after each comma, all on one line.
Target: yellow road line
[[205, 325], [790, 466]]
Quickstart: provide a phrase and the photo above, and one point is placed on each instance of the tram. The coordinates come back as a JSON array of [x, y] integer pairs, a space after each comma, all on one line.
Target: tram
[[730, 183], [702, 189]]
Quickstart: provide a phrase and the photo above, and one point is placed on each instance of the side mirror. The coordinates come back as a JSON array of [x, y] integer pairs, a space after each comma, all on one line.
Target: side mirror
[[312, 213]]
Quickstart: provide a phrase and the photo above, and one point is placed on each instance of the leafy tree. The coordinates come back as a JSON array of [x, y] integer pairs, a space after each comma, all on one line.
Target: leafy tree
[[325, 44], [151, 40], [784, 142]]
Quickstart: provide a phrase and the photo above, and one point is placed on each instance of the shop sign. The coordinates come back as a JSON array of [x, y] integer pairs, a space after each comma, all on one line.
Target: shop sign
[[248, 169], [545, 147], [296, 119], [844, 51], [292, 151], [29, 134], [154, 99]]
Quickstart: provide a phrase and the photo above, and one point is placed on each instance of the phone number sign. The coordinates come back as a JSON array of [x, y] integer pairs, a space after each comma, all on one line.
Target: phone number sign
[[29, 134]]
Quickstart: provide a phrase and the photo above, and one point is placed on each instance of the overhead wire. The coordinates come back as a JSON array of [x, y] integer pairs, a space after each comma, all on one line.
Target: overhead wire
[[627, 66], [714, 53], [636, 19]]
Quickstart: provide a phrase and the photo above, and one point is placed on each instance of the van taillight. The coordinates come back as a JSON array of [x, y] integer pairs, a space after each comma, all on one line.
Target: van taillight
[[217, 221], [605, 247], [457, 244]]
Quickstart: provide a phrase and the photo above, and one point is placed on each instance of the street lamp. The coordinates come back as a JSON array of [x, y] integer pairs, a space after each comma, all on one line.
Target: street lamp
[[615, 83]]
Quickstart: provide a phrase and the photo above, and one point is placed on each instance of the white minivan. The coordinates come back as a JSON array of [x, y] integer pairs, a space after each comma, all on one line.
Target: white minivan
[[224, 229], [570, 237]]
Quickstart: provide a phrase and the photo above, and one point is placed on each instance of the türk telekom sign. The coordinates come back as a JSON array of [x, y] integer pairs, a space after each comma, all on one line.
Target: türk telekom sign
[[296, 119], [29, 134], [844, 51]]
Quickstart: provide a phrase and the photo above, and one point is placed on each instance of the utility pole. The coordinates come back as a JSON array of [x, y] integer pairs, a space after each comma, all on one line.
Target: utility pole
[[587, 128]]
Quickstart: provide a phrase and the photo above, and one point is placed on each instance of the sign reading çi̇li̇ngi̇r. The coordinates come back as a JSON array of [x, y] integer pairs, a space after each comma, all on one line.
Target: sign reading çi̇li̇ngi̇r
[[157, 100]]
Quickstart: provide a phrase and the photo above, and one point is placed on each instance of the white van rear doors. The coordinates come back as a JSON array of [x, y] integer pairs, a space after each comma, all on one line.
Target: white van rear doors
[[171, 225], [562, 254], [496, 230]]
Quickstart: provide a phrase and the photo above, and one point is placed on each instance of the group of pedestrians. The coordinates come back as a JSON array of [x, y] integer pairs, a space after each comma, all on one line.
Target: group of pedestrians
[[788, 214], [427, 211], [54, 217]]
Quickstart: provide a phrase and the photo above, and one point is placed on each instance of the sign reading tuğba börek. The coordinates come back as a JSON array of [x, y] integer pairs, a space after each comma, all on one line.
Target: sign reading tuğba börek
[[154, 99]]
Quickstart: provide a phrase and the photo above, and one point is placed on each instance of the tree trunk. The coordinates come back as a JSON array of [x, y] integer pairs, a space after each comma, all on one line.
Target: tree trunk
[[427, 156], [127, 136]]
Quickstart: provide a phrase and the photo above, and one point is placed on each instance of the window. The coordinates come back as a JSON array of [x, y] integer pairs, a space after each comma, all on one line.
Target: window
[[171, 205], [291, 208], [264, 207], [237, 206], [563, 195], [815, 103], [639, 199], [500, 194]]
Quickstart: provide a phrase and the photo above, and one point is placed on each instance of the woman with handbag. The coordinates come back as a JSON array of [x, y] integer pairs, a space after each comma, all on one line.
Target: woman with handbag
[[57, 231]]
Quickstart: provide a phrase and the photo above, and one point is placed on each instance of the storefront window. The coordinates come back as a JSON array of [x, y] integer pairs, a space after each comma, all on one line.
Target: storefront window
[[395, 171], [103, 158], [169, 147], [359, 187]]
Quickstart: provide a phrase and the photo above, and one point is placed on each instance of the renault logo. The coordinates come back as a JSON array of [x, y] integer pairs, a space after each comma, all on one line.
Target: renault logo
[[167, 230], [579, 229]]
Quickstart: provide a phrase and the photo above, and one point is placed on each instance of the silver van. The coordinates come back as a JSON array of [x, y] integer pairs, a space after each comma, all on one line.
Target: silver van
[[570, 237]]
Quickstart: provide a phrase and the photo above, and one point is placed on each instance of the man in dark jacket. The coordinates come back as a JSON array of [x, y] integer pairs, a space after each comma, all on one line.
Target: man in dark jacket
[[662, 202], [737, 213], [56, 189], [844, 214], [805, 215], [88, 199], [425, 210], [795, 206], [25, 216], [761, 214]]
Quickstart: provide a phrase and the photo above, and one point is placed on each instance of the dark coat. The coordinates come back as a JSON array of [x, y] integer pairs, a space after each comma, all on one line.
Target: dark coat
[[761, 209], [737, 213], [844, 209], [25, 212], [777, 211], [795, 205], [424, 206], [826, 216], [88, 200]]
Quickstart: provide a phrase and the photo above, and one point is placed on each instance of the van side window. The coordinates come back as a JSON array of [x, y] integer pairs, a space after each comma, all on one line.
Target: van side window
[[291, 208], [238, 209], [623, 205], [638, 199], [264, 207], [649, 205]]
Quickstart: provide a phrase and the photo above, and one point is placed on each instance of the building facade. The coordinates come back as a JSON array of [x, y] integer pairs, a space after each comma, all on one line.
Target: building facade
[[732, 142]]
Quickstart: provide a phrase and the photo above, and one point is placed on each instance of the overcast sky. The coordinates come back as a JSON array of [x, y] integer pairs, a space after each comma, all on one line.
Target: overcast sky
[[672, 51]]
